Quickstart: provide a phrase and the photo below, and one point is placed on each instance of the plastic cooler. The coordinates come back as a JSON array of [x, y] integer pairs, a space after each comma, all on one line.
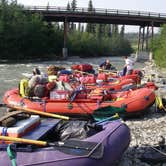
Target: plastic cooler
[[21, 127]]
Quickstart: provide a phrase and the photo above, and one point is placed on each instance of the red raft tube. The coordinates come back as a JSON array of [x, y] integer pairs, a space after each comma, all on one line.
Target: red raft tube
[[132, 100]]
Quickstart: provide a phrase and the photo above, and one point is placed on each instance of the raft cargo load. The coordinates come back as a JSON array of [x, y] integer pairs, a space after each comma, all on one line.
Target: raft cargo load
[[96, 148]]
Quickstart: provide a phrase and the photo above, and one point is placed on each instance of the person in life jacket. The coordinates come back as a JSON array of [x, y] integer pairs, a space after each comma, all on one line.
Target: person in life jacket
[[37, 84]]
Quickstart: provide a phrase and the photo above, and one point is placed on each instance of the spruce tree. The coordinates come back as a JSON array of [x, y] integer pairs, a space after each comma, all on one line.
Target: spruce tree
[[68, 6], [122, 31], [90, 27], [73, 8], [73, 5]]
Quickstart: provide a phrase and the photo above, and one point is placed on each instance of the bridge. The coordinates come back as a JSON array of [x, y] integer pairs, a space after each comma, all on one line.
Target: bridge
[[145, 20]]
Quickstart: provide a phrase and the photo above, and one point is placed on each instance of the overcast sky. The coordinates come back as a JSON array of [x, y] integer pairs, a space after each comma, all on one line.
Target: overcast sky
[[158, 6]]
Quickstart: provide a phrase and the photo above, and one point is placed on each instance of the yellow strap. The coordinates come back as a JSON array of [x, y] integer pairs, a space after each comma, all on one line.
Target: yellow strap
[[119, 98], [159, 103]]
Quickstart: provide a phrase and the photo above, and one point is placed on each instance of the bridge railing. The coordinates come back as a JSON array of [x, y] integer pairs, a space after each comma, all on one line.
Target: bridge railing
[[95, 11]]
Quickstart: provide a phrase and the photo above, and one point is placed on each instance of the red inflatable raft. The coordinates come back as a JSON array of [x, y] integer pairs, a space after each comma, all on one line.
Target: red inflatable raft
[[133, 101]]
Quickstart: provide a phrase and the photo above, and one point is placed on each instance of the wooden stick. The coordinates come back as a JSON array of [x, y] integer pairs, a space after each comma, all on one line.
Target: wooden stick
[[22, 140], [83, 72], [40, 112], [108, 71]]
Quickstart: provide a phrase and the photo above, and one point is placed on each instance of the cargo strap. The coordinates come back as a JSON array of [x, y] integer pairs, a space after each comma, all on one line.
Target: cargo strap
[[4, 131], [44, 105], [12, 155]]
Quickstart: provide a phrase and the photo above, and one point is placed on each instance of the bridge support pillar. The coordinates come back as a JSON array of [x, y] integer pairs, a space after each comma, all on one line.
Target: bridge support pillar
[[143, 52], [147, 38], [64, 50], [141, 39]]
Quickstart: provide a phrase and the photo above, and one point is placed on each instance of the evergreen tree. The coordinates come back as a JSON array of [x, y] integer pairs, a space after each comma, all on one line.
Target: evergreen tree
[[98, 31], [107, 30], [26, 35], [68, 6], [73, 5], [115, 30], [122, 31], [90, 6], [82, 28], [48, 5], [90, 27], [73, 8], [79, 27]]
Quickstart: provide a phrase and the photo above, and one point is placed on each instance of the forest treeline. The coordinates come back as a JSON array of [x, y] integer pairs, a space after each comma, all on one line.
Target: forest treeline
[[26, 36]]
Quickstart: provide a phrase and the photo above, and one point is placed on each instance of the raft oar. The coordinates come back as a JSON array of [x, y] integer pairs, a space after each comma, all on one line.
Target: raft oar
[[114, 117], [84, 148], [107, 112], [108, 71], [83, 72], [40, 112]]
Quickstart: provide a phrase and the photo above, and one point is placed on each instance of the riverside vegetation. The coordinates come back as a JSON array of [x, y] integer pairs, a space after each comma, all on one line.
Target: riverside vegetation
[[158, 46], [27, 36]]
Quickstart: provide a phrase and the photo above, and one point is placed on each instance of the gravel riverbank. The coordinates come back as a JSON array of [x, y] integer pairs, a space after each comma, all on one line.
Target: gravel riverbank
[[148, 130]]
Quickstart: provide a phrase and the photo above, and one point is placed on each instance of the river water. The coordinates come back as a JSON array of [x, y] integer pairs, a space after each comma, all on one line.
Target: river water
[[10, 74]]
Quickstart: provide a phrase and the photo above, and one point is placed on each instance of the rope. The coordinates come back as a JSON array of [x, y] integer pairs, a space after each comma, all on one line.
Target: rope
[[12, 155], [163, 153]]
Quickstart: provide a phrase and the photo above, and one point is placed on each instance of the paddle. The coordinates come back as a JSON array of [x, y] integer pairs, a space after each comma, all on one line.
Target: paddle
[[107, 112], [83, 72], [82, 148], [108, 71], [37, 112], [111, 118]]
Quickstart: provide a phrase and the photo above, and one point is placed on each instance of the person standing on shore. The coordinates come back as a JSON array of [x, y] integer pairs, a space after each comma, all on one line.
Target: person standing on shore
[[128, 67]]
